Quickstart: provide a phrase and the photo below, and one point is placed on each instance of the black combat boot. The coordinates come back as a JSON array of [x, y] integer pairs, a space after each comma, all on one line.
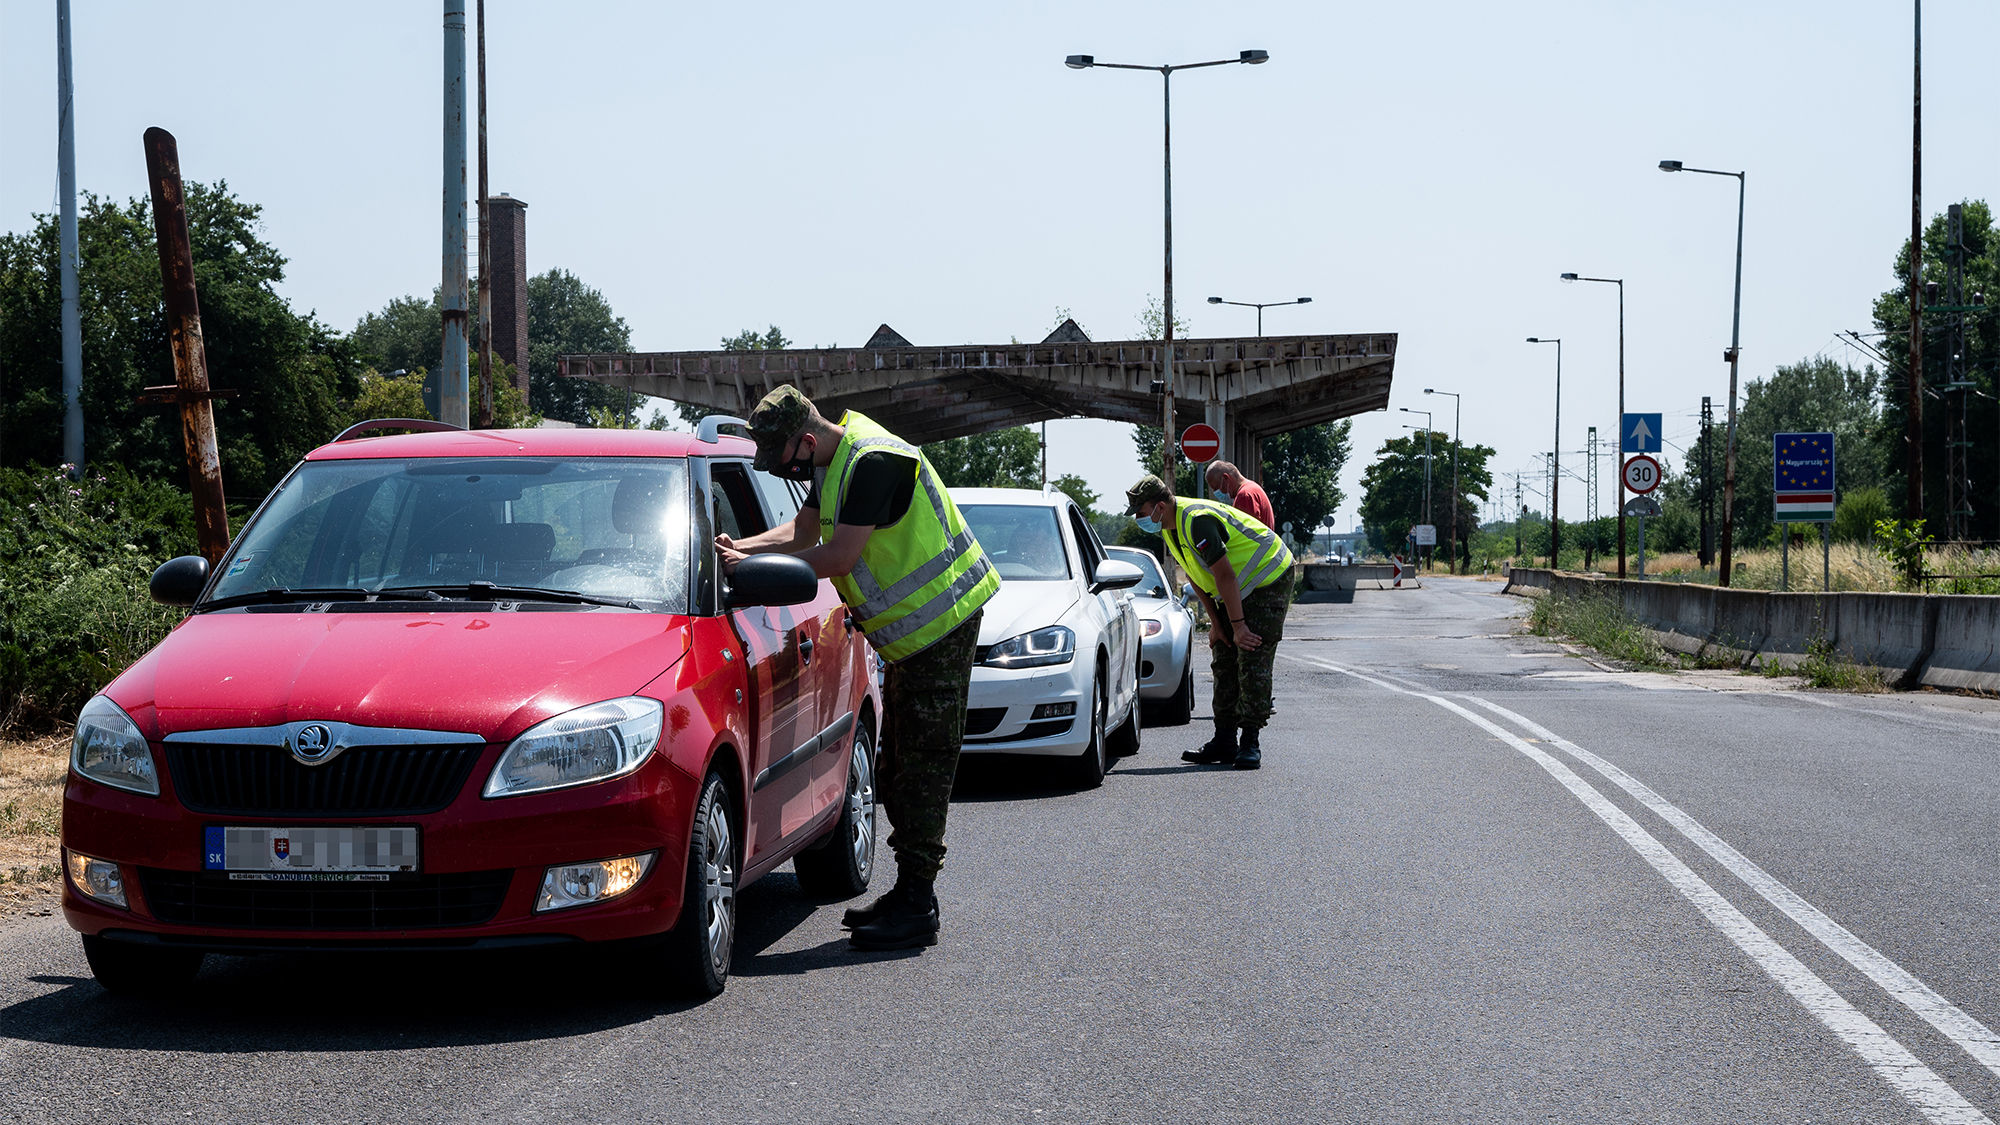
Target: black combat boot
[[1248, 755], [904, 918], [1217, 750]]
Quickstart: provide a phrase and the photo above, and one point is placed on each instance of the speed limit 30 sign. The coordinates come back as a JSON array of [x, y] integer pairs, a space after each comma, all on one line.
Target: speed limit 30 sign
[[1642, 474]]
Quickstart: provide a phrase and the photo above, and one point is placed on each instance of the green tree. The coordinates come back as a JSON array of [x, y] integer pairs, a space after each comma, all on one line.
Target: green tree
[[289, 371], [1392, 491], [1008, 458], [1302, 474], [748, 340], [1079, 490], [1815, 394], [567, 317], [407, 335]]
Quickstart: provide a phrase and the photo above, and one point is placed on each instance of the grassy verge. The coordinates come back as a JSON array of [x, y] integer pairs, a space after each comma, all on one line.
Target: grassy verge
[[1821, 669], [1598, 621], [31, 783]]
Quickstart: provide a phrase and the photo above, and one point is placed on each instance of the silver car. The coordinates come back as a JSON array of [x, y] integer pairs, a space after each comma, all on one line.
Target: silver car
[[1166, 644]]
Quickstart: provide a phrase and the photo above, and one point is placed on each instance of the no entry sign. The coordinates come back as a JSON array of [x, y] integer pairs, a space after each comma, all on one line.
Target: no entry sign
[[1200, 443], [1642, 474]]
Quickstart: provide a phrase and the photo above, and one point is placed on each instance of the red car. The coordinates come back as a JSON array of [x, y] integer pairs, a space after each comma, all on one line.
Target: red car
[[477, 690]]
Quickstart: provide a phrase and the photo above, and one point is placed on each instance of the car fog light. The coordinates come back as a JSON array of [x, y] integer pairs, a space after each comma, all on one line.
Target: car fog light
[[1055, 710], [96, 878], [580, 884]]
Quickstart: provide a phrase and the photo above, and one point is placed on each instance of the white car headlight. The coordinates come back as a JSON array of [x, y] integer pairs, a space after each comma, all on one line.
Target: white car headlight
[[1053, 645], [109, 749], [594, 743]]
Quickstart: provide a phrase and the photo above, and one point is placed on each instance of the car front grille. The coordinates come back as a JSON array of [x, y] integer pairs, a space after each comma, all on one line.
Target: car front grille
[[1047, 729], [364, 781], [982, 720], [463, 899]]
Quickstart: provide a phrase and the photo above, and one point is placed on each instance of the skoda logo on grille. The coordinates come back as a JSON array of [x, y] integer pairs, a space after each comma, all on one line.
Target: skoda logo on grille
[[312, 745]]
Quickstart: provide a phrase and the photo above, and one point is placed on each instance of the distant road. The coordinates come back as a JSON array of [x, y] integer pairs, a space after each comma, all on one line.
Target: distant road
[[1479, 879]]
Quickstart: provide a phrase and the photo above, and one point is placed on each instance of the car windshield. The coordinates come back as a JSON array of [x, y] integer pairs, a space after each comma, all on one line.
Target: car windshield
[[604, 528], [1148, 566], [1023, 540]]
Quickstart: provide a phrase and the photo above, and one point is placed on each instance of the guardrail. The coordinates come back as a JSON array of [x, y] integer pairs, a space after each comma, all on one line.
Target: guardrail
[[1916, 640]]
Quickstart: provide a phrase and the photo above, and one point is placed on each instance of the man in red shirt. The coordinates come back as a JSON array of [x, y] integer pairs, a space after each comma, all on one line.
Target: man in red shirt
[[1244, 495]]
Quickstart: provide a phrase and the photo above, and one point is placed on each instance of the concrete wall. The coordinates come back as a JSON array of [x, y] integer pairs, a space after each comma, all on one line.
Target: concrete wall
[[1935, 641]]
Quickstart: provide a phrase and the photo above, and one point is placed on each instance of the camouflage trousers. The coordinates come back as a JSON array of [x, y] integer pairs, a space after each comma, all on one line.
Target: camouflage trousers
[[1243, 679], [923, 724]]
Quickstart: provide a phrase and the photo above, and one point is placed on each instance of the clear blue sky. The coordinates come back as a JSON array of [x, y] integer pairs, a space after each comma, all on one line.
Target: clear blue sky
[[1421, 169]]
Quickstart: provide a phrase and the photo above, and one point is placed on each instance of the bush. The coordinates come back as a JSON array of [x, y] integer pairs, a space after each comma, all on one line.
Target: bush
[[1597, 620], [74, 560]]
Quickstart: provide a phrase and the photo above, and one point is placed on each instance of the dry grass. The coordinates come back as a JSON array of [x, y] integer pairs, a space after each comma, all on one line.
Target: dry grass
[[1854, 566], [31, 784]]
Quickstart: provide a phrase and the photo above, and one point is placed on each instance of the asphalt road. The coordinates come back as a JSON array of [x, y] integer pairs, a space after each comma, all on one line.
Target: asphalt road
[[1478, 879]]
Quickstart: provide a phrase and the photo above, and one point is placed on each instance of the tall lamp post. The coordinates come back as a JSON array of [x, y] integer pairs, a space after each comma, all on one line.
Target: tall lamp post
[[1427, 468], [1260, 306], [1735, 346], [1166, 73], [1555, 462], [1620, 428], [1454, 475]]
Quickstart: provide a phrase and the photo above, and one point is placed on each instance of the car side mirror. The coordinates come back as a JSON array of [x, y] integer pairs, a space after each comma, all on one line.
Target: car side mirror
[[179, 581], [771, 580], [1114, 575], [1157, 592], [1187, 593]]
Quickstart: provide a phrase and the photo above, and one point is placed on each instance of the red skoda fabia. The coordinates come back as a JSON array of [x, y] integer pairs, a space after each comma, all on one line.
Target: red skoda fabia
[[476, 690]]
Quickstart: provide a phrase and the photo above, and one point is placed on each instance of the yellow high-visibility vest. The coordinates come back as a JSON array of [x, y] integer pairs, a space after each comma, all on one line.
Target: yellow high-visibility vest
[[1256, 554], [918, 578]]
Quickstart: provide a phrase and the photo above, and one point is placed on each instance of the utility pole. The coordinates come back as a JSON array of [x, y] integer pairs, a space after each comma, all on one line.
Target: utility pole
[[1913, 432], [486, 249], [72, 331], [453, 393], [1707, 496]]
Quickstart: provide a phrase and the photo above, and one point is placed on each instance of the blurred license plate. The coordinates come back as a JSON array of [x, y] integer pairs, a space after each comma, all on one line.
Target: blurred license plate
[[283, 854]]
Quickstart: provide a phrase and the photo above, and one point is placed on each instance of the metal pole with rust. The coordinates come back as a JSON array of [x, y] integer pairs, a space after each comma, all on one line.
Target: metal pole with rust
[[211, 517], [1913, 422], [485, 248]]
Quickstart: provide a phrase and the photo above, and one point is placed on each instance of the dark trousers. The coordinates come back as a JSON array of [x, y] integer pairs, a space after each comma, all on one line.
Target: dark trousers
[[1243, 679], [923, 725]]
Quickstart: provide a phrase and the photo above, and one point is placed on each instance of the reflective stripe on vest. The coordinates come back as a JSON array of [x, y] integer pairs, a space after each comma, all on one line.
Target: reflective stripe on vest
[[1255, 552], [918, 578]]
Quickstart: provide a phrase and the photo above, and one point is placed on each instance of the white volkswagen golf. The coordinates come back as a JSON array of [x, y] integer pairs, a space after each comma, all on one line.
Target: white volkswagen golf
[[1058, 667]]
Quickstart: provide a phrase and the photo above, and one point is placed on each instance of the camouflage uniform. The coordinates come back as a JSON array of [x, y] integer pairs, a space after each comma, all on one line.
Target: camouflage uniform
[[1243, 679], [923, 726]]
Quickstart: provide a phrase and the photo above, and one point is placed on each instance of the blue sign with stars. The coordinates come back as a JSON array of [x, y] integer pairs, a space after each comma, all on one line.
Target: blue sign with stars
[[1640, 434], [1802, 477]]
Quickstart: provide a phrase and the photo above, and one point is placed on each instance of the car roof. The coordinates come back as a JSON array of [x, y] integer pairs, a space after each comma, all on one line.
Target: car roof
[[533, 443], [1026, 497]]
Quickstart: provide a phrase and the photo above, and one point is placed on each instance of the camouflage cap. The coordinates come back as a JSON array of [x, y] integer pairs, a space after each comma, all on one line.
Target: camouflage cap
[[777, 419], [1149, 490]]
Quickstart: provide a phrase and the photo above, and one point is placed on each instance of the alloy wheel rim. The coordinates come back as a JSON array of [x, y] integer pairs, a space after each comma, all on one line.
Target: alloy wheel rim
[[861, 808], [719, 885]]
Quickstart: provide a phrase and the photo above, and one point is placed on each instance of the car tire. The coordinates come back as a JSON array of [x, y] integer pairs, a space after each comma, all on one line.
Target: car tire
[[1179, 708], [1124, 741], [140, 970], [842, 867], [1090, 767], [697, 964]]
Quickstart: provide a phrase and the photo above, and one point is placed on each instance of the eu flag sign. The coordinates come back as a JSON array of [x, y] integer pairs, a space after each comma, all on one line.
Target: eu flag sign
[[1802, 477]]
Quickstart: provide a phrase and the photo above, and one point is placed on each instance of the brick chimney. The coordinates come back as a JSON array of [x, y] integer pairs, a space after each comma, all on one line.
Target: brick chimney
[[510, 284]]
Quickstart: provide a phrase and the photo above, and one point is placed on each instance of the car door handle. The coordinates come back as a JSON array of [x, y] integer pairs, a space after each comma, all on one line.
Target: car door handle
[[805, 650]]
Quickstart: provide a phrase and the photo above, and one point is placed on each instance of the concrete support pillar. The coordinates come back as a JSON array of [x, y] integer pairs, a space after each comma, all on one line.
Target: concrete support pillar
[[1217, 417]]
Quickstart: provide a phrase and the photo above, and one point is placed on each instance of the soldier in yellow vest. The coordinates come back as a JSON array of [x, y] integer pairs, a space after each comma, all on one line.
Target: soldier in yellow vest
[[1242, 571], [879, 523]]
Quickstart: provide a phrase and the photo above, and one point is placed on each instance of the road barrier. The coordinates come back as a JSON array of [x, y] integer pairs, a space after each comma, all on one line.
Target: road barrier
[[1331, 576], [1915, 640]]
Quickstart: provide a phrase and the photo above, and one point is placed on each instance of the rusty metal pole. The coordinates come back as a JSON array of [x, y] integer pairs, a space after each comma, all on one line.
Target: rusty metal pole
[[454, 399], [1167, 473], [1913, 435], [485, 248], [211, 517]]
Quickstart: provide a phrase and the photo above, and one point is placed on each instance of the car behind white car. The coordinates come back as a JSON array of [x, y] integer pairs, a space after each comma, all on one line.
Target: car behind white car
[[1057, 672], [1166, 646]]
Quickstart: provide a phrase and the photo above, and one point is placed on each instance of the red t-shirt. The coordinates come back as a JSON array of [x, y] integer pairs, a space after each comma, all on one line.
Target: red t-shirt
[[1251, 498]]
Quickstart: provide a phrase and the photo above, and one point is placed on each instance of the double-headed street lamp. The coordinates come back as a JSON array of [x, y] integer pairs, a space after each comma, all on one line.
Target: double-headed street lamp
[[1454, 474], [1555, 464], [1620, 428], [1260, 306], [1085, 62], [1427, 458], [1735, 341]]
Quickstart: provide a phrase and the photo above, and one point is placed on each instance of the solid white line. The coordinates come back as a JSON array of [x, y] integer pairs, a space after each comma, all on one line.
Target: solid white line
[[1919, 1084], [1974, 1037]]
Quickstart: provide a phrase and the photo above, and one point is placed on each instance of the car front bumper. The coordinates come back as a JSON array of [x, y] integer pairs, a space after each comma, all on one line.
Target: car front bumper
[[1000, 711]]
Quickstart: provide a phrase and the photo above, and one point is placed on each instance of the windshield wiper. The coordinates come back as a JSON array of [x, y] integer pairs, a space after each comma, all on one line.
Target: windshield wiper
[[487, 591], [280, 594]]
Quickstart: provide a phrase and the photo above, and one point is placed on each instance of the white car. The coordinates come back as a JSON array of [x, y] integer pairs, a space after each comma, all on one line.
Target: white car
[[1166, 648], [1057, 673]]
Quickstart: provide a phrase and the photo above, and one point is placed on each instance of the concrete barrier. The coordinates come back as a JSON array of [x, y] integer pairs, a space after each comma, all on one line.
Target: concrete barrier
[[1893, 632], [1330, 576], [1966, 649]]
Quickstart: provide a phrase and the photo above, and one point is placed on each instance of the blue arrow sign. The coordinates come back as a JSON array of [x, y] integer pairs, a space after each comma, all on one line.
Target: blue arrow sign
[[1640, 434]]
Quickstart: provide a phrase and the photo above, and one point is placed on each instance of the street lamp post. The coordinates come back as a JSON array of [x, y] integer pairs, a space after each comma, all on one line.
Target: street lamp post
[[1735, 347], [1555, 463], [1619, 460], [1427, 471], [1454, 475], [1085, 62], [1260, 306]]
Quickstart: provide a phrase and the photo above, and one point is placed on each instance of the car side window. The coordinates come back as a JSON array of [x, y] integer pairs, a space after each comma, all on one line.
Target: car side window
[[782, 498], [1086, 541], [737, 513]]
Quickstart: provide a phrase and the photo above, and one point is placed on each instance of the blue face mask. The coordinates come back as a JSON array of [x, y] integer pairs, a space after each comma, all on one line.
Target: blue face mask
[[1222, 496], [1149, 526]]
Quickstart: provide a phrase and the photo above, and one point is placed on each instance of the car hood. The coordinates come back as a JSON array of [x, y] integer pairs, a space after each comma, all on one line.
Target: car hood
[[493, 674], [1019, 607]]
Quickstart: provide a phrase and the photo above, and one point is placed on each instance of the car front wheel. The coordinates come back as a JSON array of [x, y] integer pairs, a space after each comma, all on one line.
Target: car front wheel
[[841, 868], [698, 961], [140, 970], [1179, 710], [1090, 767]]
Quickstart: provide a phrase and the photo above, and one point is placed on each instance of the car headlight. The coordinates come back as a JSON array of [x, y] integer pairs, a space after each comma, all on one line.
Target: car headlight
[[594, 743], [580, 884], [1151, 627], [1054, 645], [109, 749]]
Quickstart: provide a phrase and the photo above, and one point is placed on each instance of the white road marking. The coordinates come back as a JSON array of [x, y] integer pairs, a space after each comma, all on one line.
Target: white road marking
[[1919, 1084], [1974, 1037]]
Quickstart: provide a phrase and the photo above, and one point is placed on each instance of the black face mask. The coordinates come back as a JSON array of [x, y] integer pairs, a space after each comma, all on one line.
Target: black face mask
[[799, 468]]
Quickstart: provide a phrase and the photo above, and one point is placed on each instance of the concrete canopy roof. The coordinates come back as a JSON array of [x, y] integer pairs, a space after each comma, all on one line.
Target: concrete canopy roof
[[1267, 385]]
